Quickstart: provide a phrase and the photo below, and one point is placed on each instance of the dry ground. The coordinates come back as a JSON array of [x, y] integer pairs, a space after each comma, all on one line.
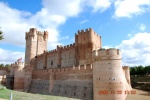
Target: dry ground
[[140, 95]]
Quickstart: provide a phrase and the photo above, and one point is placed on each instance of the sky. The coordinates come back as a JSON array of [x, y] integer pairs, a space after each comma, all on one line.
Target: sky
[[122, 24]]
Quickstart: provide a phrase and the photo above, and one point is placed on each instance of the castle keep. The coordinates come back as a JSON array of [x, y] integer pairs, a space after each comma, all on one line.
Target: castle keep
[[82, 70]]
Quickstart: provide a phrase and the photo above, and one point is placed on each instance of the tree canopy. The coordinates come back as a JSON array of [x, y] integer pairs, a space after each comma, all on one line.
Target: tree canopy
[[140, 70], [1, 35], [4, 66]]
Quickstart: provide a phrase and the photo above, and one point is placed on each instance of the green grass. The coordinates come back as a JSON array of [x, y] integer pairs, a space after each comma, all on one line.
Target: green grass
[[5, 94]]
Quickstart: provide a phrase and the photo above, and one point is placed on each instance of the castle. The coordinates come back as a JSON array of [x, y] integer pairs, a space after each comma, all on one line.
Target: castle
[[82, 70]]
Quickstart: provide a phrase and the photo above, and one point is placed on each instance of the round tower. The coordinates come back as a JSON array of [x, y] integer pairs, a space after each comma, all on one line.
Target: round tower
[[109, 82], [18, 76]]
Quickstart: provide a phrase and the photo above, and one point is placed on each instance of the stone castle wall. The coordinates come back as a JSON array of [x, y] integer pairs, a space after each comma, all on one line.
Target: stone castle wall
[[74, 82], [77, 53], [79, 70], [64, 56]]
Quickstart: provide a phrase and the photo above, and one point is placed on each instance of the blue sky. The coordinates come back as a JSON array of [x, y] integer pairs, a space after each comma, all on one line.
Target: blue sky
[[123, 24]]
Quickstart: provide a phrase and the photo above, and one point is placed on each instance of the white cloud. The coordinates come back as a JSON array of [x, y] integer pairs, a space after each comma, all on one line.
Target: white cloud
[[127, 8], [7, 56], [84, 21], [136, 50], [65, 8], [99, 5], [142, 27], [15, 23]]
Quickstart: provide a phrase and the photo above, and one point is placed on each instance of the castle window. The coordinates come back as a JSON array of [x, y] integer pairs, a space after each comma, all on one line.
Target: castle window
[[84, 38], [84, 95], [51, 62]]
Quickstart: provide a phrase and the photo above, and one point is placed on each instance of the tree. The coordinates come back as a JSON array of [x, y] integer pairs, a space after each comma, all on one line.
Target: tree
[[1, 35], [140, 70], [1, 65], [7, 65]]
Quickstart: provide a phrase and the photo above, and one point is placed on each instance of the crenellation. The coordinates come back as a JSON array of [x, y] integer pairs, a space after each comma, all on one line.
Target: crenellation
[[83, 67], [111, 53], [82, 31], [67, 47]]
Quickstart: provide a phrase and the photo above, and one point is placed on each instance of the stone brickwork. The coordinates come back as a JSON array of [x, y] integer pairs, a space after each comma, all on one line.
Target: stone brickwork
[[108, 75], [36, 43], [18, 74], [39, 86], [73, 82], [79, 70], [81, 89]]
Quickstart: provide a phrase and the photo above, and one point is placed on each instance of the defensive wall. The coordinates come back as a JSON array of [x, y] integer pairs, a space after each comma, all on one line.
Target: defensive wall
[[79, 70], [74, 82], [63, 55]]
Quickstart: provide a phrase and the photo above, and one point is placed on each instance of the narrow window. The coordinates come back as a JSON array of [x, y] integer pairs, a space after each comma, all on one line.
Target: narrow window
[[51, 62]]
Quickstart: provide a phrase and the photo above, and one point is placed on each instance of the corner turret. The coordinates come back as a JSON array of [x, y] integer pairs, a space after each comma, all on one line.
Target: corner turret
[[18, 73], [108, 76]]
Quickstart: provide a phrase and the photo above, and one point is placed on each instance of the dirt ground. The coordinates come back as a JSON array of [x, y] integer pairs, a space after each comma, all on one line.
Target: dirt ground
[[140, 95]]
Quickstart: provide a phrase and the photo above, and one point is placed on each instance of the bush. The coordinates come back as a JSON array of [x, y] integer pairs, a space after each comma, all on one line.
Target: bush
[[2, 87]]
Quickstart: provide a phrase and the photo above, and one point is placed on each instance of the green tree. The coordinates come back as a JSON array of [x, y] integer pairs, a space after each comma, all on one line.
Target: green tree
[[1, 65], [140, 70], [147, 69], [1, 35], [7, 65]]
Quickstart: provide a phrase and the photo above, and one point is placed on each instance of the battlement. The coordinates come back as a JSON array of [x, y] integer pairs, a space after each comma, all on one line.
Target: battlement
[[33, 32], [125, 67], [106, 54], [85, 31], [17, 64], [68, 46], [45, 32], [52, 51], [40, 33], [40, 55], [73, 69]]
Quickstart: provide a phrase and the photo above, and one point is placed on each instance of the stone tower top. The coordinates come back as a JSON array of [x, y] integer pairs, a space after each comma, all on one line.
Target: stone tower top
[[36, 43], [107, 54]]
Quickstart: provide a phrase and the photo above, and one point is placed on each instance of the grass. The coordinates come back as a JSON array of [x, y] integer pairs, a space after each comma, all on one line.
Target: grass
[[5, 94]]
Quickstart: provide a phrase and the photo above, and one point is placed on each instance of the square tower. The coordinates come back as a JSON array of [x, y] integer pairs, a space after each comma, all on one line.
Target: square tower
[[86, 42], [36, 43]]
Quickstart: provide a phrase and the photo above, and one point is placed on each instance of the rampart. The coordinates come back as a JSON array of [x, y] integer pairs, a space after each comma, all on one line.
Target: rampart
[[107, 54], [61, 81]]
